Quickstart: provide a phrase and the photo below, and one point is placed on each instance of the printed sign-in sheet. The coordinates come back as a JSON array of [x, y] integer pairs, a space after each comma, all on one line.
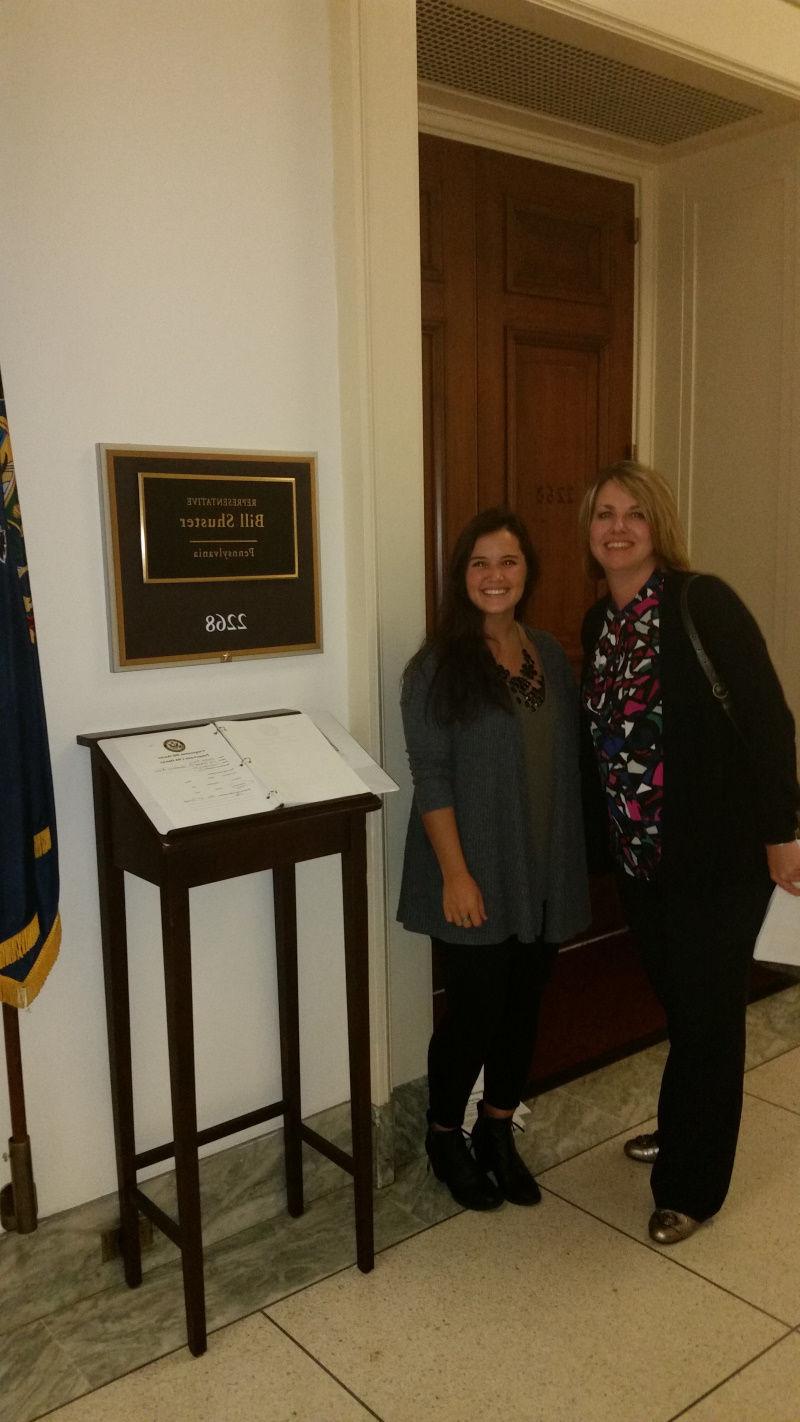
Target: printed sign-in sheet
[[188, 776], [291, 755]]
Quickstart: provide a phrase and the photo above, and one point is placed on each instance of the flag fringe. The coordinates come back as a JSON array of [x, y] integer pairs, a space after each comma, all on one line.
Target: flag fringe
[[15, 947], [42, 842], [22, 994]]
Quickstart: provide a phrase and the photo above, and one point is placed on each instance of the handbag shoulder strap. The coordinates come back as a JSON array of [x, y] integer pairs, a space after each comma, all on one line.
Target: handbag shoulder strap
[[718, 687]]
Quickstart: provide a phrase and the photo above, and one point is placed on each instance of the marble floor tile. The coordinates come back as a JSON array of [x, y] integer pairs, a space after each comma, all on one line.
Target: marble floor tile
[[766, 1390], [279, 1257], [777, 1081], [57, 1264], [410, 1103], [122, 1329], [35, 1373], [776, 1019], [238, 1187], [383, 1144], [417, 1190], [562, 1124], [626, 1091], [752, 1247], [525, 1315], [246, 1184], [251, 1370], [763, 1044], [61, 1262]]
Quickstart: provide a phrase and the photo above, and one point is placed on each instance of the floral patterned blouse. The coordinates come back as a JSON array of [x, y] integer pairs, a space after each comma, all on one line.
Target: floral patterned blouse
[[622, 694]]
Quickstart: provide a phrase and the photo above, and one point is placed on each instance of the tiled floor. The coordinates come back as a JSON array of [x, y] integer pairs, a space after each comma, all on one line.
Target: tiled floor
[[565, 1313]]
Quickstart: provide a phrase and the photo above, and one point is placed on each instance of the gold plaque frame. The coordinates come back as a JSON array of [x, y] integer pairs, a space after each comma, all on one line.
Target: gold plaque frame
[[210, 555]]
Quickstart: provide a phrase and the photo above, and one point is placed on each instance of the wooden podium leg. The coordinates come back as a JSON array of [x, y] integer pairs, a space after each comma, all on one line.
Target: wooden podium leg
[[356, 957], [180, 1036], [285, 900], [113, 929]]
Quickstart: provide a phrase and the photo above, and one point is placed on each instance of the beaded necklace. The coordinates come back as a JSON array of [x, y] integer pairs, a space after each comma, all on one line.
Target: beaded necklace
[[527, 686]]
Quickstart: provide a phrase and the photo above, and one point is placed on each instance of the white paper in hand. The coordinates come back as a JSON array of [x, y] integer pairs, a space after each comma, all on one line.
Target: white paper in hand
[[779, 939]]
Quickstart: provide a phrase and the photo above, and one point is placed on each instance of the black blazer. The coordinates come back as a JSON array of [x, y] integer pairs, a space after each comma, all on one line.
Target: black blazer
[[727, 791]]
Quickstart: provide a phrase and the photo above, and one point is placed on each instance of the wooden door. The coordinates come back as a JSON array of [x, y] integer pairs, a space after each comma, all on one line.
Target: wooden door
[[555, 356], [527, 313], [527, 318]]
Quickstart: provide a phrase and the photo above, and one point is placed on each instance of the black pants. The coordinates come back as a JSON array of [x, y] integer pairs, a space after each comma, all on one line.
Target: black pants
[[697, 946], [493, 994]]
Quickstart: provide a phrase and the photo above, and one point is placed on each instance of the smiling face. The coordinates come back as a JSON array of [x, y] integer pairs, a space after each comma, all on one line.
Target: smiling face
[[620, 537], [496, 572]]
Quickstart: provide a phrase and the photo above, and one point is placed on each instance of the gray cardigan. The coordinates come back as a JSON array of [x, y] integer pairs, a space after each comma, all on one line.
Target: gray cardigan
[[478, 767]]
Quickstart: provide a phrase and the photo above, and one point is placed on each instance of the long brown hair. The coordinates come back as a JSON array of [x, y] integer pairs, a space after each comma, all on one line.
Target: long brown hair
[[465, 678]]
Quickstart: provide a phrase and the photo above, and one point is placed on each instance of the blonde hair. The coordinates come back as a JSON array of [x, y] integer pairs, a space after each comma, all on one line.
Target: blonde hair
[[655, 497]]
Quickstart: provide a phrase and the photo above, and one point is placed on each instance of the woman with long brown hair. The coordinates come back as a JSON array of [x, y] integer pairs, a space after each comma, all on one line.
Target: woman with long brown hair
[[494, 866]]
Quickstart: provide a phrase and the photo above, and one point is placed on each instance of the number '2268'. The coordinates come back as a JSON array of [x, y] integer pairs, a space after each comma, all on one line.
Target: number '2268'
[[555, 494], [226, 622]]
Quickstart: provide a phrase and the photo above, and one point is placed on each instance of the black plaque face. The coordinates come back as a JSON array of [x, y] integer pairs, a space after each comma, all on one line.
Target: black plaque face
[[210, 555], [221, 528]]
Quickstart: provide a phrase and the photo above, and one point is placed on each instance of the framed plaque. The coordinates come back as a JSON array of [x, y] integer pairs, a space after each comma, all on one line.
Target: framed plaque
[[210, 554]]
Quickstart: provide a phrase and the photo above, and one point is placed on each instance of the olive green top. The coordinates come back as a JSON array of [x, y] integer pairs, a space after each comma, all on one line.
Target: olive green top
[[536, 725]]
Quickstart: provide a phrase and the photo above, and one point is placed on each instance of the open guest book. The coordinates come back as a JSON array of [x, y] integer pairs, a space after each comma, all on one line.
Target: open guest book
[[195, 775]]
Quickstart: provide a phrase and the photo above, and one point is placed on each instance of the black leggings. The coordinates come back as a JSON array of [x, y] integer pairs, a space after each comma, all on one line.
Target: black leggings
[[493, 995]]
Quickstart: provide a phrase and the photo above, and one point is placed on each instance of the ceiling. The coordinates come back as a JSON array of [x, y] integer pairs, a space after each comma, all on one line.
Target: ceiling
[[581, 77]]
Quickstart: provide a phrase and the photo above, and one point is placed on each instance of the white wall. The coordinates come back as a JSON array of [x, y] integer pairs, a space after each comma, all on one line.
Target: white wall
[[167, 278], [727, 412], [377, 180]]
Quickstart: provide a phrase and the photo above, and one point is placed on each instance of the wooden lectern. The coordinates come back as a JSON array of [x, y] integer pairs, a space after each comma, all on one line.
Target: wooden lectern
[[178, 861]]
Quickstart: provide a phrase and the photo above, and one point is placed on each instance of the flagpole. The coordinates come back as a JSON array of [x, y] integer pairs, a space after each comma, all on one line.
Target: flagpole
[[17, 1200]]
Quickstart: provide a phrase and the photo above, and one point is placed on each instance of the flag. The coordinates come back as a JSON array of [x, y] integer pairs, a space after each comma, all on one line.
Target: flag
[[30, 928]]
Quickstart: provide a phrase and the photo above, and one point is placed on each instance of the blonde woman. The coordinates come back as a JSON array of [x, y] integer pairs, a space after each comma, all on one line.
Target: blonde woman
[[699, 809]]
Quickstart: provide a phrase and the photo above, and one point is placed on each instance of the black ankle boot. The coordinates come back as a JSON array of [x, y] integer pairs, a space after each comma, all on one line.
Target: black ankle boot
[[454, 1164], [495, 1152]]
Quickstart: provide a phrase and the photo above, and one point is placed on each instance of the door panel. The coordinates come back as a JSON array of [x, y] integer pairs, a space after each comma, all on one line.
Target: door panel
[[552, 422], [554, 271], [555, 257]]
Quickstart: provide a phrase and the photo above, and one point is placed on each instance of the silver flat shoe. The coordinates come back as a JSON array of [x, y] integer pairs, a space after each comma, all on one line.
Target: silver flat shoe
[[670, 1226], [644, 1148]]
